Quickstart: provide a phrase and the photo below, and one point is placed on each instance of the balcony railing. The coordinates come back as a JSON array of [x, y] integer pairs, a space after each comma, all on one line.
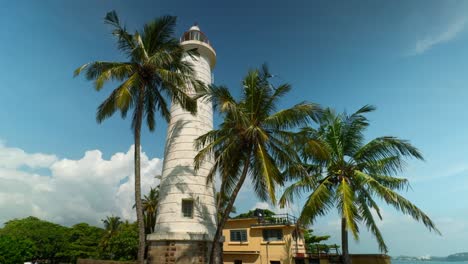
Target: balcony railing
[[195, 35], [277, 219]]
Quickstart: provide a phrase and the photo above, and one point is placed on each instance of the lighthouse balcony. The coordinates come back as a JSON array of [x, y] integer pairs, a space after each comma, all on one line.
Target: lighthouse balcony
[[195, 35]]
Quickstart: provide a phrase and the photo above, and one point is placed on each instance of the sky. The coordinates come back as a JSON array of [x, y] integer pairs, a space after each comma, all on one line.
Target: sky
[[408, 58]]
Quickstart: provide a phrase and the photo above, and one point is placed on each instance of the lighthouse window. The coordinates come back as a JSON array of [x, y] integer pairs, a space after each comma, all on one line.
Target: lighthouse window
[[187, 208]]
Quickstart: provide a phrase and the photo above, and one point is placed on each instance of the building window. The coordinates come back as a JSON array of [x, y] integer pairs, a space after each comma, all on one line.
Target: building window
[[239, 235], [272, 234], [187, 208], [237, 261], [275, 262]]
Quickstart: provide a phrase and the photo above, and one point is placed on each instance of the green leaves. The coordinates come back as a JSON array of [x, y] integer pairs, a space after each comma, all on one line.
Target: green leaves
[[150, 209], [254, 140], [154, 73], [15, 250], [348, 173], [319, 202], [253, 128], [346, 204], [49, 240]]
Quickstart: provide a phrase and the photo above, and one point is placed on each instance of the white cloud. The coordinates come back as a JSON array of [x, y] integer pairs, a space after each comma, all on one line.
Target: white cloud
[[82, 190], [14, 157], [450, 33]]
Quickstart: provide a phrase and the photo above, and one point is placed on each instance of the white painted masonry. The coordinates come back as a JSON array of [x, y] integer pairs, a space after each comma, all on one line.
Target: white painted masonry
[[179, 180]]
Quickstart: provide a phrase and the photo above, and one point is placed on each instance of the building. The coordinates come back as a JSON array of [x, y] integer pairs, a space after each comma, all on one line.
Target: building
[[263, 240], [278, 240], [186, 220]]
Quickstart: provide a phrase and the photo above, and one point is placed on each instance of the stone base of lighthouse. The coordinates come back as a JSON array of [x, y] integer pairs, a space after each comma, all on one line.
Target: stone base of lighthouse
[[178, 252]]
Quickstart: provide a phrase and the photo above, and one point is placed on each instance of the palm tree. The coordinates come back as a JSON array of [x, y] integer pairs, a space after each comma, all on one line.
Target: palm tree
[[111, 227], [347, 173], [111, 224], [150, 209], [154, 71], [221, 203], [253, 140]]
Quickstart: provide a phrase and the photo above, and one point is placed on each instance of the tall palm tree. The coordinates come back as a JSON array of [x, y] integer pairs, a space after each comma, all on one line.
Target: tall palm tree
[[150, 209], [253, 140], [347, 173], [154, 71]]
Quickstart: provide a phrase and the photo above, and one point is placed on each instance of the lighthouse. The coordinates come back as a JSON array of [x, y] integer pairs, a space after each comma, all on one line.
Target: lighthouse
[[186, 220]]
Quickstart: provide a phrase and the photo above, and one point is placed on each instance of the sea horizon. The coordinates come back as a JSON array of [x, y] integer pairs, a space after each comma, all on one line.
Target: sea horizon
[[429, 261]]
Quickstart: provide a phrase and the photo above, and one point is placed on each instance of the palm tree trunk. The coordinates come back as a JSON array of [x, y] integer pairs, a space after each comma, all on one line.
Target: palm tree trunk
[[344, 242], [216, 246], [139, 208]]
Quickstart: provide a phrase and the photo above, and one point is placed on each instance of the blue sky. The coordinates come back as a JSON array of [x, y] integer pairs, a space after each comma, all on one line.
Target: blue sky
[[409, 58]]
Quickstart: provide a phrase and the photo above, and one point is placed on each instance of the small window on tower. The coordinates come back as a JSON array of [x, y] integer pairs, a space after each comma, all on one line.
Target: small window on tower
[[187, 208]]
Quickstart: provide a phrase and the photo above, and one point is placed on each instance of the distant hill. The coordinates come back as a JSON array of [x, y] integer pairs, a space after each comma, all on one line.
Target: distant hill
[[458, 257], [463, 256]]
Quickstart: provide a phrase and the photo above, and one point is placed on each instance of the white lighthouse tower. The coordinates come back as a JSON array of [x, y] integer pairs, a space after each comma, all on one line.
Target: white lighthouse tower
[[186, 220]]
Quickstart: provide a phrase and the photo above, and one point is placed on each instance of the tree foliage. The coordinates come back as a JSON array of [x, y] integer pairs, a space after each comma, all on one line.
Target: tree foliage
[[150, 209], [251, 213], [49, 239], [123, 245], [252, 140], [153, 72], [14, 250], [346, 173], [82, 242], [32, 239], [314, 243]]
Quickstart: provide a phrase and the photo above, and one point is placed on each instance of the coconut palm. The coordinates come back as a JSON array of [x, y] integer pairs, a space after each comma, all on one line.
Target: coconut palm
[[111, 227], [252, 140], [347, 173], [221, 202], [154, 71], [150, 209]]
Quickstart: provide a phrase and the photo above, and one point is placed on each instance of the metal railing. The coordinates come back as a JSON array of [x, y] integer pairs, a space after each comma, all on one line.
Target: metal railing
[[277, 219], [195, 35]]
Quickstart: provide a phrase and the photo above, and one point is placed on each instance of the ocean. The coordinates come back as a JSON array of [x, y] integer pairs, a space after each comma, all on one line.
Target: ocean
[[427, 262]]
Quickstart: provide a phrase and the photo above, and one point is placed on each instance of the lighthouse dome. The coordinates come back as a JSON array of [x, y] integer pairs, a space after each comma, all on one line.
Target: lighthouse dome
[[195, 27]]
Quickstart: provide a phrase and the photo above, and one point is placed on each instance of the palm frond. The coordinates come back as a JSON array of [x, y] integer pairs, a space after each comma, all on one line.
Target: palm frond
[[124, 39], [298, 115], [319, 202], [369, 221], [385, 147], [158, 33], [103, 71], [305, 184], [398, 202], [346, 204], [265, 174]]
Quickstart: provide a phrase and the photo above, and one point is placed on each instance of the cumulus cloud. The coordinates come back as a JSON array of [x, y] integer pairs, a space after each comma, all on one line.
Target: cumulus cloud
[[14, 157], [450, 33], [82, 190]]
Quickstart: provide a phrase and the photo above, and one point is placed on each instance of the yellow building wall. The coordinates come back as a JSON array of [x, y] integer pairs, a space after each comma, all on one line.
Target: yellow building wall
[[256, 251], [267, 251]]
